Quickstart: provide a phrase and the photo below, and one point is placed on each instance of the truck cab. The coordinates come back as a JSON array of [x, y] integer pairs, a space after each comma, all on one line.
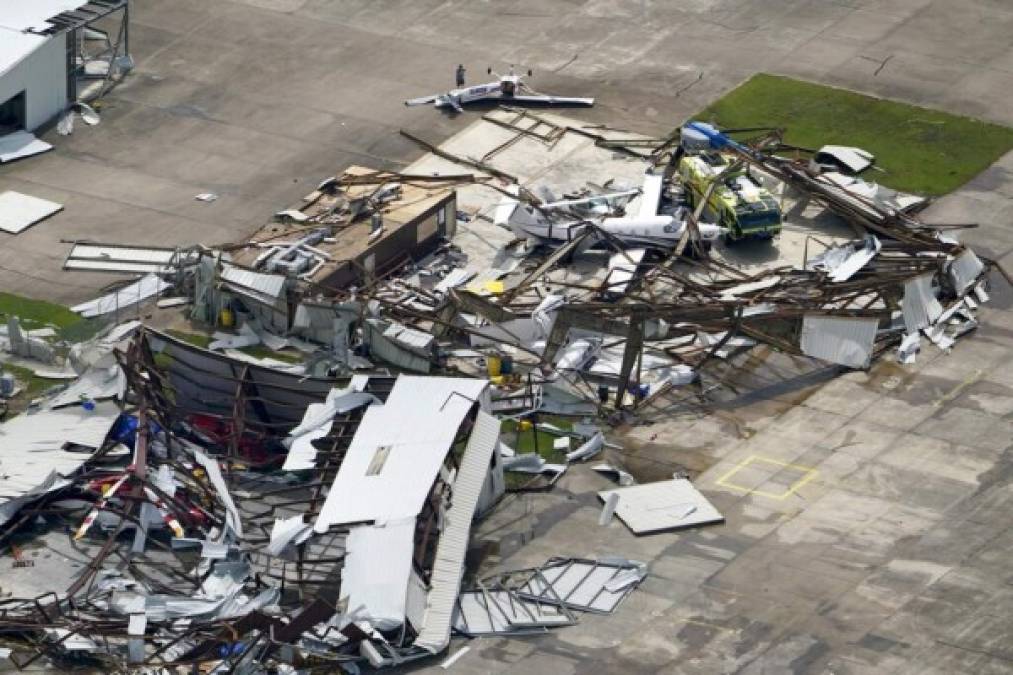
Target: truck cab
[[739, 203]]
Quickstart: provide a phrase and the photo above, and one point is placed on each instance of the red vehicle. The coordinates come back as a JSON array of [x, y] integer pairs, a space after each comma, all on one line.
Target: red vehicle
[[253, 447]]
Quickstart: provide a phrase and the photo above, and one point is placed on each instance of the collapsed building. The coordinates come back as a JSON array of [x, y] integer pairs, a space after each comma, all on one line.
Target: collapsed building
[[227, 509]]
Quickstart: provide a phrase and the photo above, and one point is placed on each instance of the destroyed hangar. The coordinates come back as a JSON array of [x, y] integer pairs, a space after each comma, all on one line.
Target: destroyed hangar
[[272, 454]]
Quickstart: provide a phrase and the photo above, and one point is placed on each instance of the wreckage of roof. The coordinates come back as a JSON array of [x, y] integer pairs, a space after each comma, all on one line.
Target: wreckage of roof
[[844, 340], [206, 382], [380, 481], [266, 289], [129, 296], [127, 259], [664, 505], [369, 220], [34, 460], [398, 450], [377, 571], [19, 211], [448, 568], [855, 160]]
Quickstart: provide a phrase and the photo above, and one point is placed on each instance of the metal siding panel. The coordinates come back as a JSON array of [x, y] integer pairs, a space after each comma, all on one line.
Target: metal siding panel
[[267, 285], [41, 72], [419, 421], [847, 341], [448, 568], [920, 306], [377, 570]]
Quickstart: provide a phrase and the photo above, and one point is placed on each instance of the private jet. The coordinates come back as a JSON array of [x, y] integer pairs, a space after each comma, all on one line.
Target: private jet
[[508, 89], [555, 223]]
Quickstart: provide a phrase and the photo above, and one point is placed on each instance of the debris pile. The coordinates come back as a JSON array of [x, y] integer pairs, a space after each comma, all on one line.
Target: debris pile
[[222, 508]]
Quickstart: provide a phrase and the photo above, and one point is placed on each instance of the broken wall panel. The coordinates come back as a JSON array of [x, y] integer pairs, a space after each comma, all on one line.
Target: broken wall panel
[[844, 340]]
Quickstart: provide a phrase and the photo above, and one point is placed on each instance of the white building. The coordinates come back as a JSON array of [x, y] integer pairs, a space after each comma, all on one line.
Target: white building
[[46, 46]]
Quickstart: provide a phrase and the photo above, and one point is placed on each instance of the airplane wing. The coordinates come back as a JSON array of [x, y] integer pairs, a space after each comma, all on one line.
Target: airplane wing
[[422, 100], [551, 100]]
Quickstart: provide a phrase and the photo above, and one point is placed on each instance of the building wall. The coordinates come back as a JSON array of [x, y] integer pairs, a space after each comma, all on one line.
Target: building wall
[[416, 239], [42, 75]]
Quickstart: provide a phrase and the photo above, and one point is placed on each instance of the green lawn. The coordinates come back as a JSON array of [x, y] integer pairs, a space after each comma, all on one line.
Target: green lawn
[[920, 150], [194, 339], [31, 386], [525, 441], [256, 351], [37, 313]]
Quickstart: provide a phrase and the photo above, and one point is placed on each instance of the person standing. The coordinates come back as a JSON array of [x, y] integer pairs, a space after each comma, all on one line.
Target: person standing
[[460, 75]]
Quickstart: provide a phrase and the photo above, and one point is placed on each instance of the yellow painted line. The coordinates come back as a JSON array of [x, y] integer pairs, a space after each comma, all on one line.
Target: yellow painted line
[[809, 474], [956, 391], [709, 625]]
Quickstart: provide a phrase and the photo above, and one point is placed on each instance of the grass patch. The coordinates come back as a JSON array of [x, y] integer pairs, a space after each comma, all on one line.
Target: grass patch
[[31, 387], [256, 351], [919, 150], [194, 339], [37, 313], [524, 441], [262, 352]]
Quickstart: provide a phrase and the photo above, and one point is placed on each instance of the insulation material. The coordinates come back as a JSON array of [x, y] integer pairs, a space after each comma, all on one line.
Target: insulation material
[[19, 211], [846, 341]]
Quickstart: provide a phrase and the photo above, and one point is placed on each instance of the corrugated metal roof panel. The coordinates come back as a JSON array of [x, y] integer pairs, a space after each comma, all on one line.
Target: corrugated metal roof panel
[[391, 350], [398, 450], [448, 568], [19, 211], [33, 449], [920, 306], [843, 340], [99, 257], [964, 270], [377, 570], [664, 505], [409, 336], [266, 288]]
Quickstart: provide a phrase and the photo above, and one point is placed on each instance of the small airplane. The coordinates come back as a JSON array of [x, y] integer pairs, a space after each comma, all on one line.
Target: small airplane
[[548, 223], [509, 88]]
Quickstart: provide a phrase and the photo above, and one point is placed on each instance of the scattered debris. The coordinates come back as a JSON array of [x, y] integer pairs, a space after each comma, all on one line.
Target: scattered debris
[[291, 497], [123, 299], [665, 505], [21, 144], [19, 211]]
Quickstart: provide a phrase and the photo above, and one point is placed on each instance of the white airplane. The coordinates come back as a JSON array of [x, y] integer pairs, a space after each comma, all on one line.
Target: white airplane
[[509, 88], [647, 228]]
